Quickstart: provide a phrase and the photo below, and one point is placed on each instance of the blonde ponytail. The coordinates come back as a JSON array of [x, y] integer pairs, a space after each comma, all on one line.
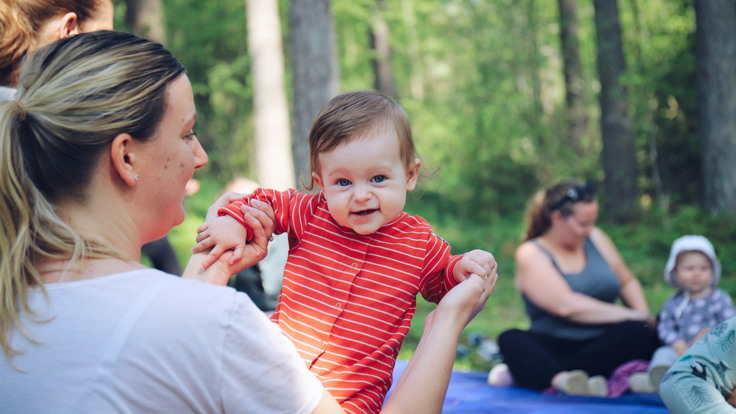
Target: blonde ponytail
[[16, 208]]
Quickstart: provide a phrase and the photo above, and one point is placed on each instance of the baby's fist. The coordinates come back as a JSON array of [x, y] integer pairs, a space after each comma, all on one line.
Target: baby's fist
[[479, 262]]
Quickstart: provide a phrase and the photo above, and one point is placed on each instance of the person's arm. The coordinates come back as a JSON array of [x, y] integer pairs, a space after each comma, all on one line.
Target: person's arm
[[423, 385], [543, 284], [698, 382], [668, 329]]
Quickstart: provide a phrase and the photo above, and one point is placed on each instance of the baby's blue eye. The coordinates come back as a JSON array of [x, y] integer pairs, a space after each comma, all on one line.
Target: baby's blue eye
[[343, 182], [378, 178]]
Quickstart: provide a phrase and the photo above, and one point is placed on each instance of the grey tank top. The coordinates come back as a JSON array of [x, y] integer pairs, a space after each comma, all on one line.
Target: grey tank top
[[596, 280]]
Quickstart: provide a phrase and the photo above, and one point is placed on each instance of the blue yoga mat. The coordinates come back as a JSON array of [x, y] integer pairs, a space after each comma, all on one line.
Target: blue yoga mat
[[470, 393]]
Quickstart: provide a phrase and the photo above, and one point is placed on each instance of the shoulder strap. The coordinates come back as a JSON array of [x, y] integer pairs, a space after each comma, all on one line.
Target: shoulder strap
[[548, 253]]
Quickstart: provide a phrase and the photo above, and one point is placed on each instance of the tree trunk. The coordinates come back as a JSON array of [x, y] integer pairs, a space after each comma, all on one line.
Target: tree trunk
[[146, 19], [533, 72], [619, 163], [642, 95], [716, 80], [577, 117], [315, 74], [416, 76], [380, 43], [270, 109]]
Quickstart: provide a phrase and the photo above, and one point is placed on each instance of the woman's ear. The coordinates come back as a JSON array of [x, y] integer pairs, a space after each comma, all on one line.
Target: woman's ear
[[555, 215], [123, 159], [412, 174], [68, 25], [56, 28]]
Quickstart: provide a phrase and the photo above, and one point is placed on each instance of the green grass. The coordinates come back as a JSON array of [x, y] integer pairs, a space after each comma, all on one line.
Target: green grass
[[644, 246]]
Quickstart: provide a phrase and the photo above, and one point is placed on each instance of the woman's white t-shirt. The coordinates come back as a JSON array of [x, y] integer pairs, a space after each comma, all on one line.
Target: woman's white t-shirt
[[146, 341]]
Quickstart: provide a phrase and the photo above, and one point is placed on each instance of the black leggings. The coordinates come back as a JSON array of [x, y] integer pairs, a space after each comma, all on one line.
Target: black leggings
[[534, 358]]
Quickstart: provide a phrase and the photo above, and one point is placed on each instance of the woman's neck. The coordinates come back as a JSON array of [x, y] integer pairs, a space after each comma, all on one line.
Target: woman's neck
[[104, 219], [65, 271], [557, 243]]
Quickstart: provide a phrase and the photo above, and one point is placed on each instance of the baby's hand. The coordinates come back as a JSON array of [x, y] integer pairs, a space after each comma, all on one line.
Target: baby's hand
[[479, 262], [224, 233]]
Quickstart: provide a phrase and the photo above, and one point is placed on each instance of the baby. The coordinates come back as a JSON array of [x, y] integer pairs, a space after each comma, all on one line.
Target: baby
[[356, 259], [694, 270]]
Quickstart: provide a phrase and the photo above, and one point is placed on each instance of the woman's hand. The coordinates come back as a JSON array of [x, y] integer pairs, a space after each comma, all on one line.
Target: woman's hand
[[466, 300], [260, 217]]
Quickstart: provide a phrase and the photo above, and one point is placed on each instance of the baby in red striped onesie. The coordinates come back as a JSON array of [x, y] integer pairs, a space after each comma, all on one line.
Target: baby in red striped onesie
[[356, 259]]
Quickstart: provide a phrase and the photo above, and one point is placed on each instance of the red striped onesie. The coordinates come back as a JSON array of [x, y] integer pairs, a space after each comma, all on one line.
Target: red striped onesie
[[347, 300]]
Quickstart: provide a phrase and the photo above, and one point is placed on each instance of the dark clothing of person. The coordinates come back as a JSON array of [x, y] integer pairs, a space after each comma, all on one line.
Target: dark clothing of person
[[250, 282], [554, 344], [534, 358], [162, 255]]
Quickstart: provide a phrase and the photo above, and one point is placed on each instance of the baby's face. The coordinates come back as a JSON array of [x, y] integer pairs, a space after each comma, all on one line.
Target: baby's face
[[365, 181], [694, 272]]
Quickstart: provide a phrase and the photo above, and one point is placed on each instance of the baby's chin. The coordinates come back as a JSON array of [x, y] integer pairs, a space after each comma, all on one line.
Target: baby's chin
[[365, 229], [365, 232]]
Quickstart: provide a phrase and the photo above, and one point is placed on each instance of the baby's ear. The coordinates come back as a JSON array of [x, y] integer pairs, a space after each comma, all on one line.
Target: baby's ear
[[317, 180], [412, 174]]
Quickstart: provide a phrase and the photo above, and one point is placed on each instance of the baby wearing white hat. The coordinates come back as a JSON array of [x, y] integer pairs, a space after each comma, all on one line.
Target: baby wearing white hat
[[694, 270]]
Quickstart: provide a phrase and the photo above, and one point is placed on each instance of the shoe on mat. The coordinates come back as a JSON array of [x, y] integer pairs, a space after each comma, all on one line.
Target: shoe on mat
[[639, 383], [500, 376], [598, 386], [656, 374], [574, 383]]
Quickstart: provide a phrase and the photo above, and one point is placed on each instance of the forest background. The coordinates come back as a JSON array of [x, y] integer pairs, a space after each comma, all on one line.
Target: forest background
[[505, 97]]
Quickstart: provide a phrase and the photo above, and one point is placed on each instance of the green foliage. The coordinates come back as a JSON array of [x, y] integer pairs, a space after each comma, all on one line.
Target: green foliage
[[210, 40], [661, 81], [482, 84]]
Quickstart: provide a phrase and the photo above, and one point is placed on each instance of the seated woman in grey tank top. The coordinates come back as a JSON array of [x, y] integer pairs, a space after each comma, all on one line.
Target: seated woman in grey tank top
[[571, 276]]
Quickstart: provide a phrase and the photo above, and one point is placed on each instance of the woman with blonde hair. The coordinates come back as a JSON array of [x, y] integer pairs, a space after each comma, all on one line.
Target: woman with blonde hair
[[95, 153], [571, 275]]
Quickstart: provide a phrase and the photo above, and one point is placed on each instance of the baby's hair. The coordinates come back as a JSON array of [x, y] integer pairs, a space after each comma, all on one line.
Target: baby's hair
[[353, 115], [75, 96], [20, 23]]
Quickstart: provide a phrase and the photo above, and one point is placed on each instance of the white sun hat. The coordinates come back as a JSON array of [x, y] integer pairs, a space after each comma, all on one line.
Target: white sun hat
[[688, 244]]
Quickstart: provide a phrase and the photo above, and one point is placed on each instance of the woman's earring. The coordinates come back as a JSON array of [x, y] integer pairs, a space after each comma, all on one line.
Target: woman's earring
[[135, 177]]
